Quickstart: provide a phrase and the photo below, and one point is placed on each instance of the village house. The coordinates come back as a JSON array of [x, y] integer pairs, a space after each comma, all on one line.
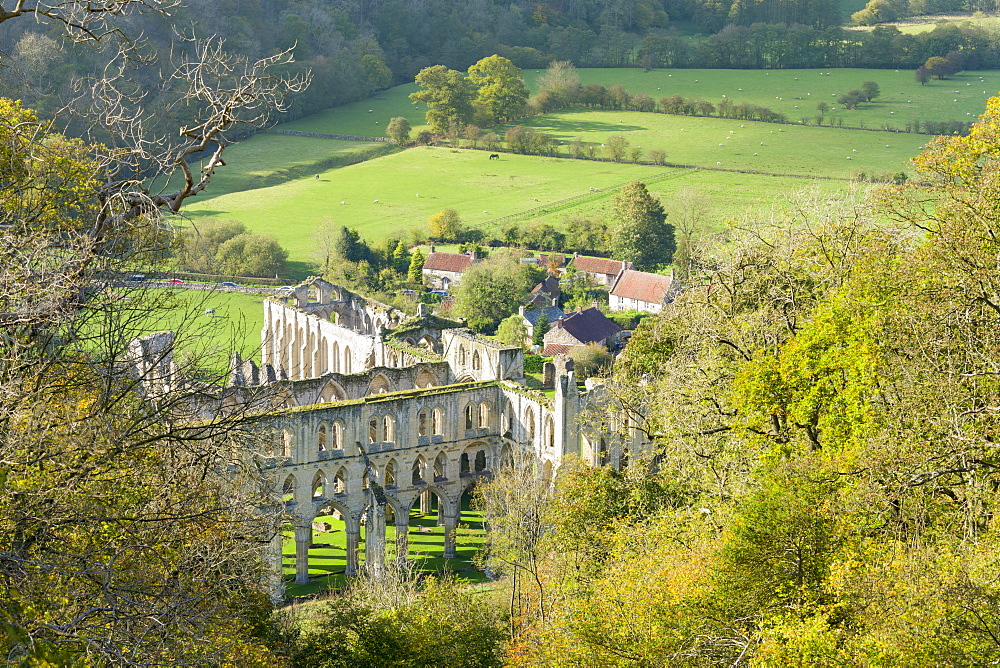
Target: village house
[[545, 293], [578, 329], [601, 270], [534, 316], [642, 291], [443, 271]]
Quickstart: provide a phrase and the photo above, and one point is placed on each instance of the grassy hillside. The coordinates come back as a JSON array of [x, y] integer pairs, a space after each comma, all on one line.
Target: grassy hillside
[[412, 185]]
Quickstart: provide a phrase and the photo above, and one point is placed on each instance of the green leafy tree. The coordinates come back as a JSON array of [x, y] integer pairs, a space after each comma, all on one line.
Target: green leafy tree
[[642, 235], [539, 331], [512, 331], [378, 75], [350, 246], [401, 259], [202, 240], [445, 225], [936, 66], [501, 90], [490, 291], [398, 130], [448, 95], [851, 99], [251, 255], [590, 360], [616, 146], [922, 76], [415, 271], [870, 90]]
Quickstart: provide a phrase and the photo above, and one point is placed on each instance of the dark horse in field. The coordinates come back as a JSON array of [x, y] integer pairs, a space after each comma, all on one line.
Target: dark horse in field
[[494, 155]]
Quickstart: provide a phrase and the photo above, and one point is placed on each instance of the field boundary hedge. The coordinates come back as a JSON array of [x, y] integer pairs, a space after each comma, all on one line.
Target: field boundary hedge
[[320, 135]]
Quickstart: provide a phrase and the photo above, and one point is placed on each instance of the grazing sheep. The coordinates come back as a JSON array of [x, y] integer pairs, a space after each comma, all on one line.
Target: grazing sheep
[[848, 157], [718, 163], [317, 177], [755, 154], [370, 110], [375, 201], [343, 202]]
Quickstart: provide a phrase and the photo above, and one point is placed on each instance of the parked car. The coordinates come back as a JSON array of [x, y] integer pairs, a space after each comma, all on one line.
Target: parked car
[[136, 278], [229, 284], [174, 280]]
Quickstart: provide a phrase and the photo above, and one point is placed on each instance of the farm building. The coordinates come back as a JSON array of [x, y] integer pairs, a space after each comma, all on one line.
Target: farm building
[[601, 270], [444, 270], [642, 291], [578, 329]]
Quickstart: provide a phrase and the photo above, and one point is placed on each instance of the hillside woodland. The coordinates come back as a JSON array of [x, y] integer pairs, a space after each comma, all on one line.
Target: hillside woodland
[[354, 48]]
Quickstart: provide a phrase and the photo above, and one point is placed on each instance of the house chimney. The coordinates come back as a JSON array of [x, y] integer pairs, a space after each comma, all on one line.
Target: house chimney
[[520, 311], [555, 302], [432, 248], [673, 275], [472, 254], [579, 309], [559, 323], [593, 304]]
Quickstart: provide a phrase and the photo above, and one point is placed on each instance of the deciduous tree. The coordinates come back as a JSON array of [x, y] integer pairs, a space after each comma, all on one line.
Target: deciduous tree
[[448, 95], [642, 235], [500, 88]]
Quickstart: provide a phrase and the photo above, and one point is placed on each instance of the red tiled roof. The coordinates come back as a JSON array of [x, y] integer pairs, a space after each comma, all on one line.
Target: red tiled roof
[[552, 349], [456, 262], [589, 325], [642, 286], [599, 265]]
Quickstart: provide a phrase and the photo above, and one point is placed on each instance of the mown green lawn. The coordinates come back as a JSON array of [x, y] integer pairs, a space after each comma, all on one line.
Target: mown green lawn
[[328, 557], [235, 324]]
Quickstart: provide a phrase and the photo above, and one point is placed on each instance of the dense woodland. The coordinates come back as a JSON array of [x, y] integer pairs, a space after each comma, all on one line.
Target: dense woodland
[[355, 48]]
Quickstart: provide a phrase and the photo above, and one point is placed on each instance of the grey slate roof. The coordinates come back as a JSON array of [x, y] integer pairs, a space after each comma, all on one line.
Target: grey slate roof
[[552, 313]]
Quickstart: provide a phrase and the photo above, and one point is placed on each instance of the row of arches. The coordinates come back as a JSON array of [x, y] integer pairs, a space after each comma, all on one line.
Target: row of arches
[[475, 459]]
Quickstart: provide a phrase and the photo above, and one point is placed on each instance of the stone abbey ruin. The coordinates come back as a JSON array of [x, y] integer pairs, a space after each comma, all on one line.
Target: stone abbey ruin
[[372, 413]]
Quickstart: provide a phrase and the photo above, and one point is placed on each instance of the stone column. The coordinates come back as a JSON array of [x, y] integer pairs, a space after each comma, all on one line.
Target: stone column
[[303, 539], [375, 541], [402, 541], [353, 540], [449, 537], [273, 580], [450, 516], [425, 502]]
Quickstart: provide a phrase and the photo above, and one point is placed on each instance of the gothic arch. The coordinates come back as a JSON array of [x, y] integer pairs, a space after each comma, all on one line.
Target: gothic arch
[[418, 470], [318, 487], [529, 424], [347, 367], [389, 473], [340, 481], [426, 379], [440, 467], [321, 438], [379, 385], [332, 392]]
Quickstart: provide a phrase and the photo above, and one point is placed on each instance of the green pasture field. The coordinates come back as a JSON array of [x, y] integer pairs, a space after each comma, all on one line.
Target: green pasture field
[[411, 186], [268, 159], [356, 119], [235, 325], [426, 543], [796, 93], [792, 92], [481, 190], [744, 145], [915, 26]]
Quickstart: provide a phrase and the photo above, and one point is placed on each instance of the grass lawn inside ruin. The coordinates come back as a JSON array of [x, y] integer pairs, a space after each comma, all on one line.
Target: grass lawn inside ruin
[[327, 560]]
